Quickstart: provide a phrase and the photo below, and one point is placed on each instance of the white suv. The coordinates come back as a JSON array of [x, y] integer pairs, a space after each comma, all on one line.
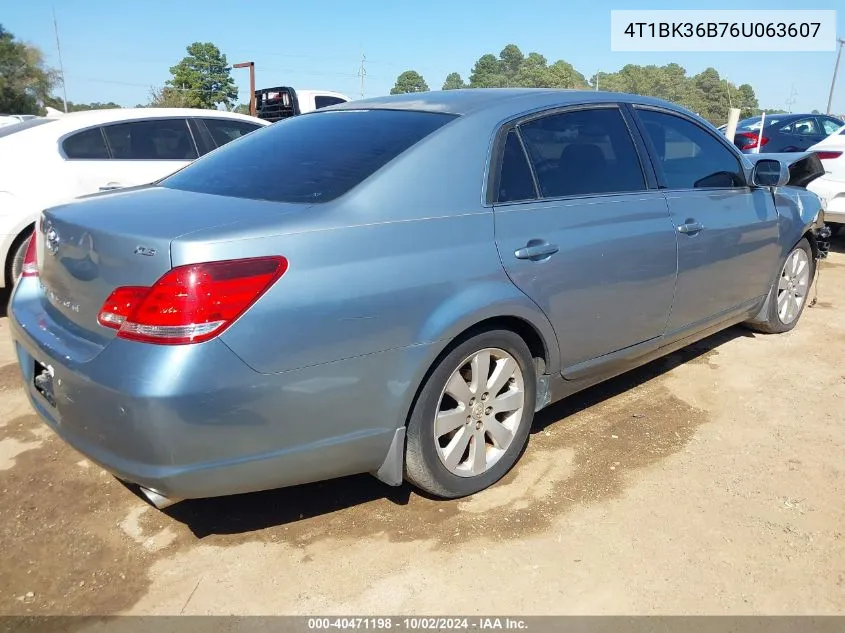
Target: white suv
[[46, 161]]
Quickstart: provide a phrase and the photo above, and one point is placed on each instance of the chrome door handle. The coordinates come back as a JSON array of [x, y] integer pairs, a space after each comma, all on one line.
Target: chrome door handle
[[690, 228], [536, 250]]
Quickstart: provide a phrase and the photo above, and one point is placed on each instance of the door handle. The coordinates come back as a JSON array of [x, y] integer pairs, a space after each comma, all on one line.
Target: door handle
[[536, 250], [690, 228]]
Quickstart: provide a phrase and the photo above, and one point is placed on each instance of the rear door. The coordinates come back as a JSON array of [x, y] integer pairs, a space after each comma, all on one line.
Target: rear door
[[801, 134], [580, 231], [727, 232]]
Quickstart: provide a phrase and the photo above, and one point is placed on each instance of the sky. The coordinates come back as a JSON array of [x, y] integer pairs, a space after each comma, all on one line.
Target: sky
[[115, 51]]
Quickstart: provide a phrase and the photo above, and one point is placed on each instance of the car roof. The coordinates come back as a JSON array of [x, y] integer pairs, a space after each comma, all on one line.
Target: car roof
[[112, 115], [472, 100]]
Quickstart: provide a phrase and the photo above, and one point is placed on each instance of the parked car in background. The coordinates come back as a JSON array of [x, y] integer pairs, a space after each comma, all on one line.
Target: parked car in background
[[283, 102], [44, 161], [831, 186], [396, 298], [784, 132]]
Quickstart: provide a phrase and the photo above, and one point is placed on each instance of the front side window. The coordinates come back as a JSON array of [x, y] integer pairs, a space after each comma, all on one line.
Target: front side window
[[86, 145], [156, 139], [830, 126], [309, 158], [225, 131], [690, 156], [583, 152]]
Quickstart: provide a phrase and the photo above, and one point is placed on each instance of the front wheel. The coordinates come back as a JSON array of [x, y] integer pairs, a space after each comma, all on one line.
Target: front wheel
[[472, 418], [788, 296]]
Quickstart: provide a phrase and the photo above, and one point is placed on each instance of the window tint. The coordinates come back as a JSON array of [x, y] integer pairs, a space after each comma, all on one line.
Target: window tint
[[86, 145], [801, 126], [224, 130], [690, 156], [325, 102], [157, 139], [515, 180], [308, 158], [830, 125], [583, 152]]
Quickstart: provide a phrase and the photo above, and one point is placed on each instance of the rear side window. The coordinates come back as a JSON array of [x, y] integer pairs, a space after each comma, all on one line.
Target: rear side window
[[225, 131], [830, 125], [86, 145], [308, 158], [583, 152], [515, 180], [325, 102], [157, 139]]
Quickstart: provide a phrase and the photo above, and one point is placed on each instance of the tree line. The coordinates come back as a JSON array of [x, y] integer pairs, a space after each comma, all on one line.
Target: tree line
[[202, 79], [706, 93]]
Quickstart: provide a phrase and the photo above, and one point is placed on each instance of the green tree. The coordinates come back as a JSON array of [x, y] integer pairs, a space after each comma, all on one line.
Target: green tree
[[205, 78], [58, 104], [242, 108], [25, 81], [510, 61], [169, 98], [454, 81], [487, 73], [746, 101], [532, 72], [409, 81]]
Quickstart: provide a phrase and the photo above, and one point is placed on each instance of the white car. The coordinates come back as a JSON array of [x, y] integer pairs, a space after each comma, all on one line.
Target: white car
[[831, 186], [45, 161]]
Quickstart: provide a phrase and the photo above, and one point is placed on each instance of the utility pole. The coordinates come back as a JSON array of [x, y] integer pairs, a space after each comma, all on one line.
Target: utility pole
[[251, 66], [835, 71], [597, 80], [791, 101], [61, 66], [362, 72]]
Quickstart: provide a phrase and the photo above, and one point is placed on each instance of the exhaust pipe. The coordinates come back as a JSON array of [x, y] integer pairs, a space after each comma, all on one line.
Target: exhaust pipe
[[158, 500]]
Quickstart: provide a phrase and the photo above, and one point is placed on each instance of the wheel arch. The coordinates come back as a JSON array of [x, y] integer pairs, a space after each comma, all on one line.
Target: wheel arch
[[19, 239]]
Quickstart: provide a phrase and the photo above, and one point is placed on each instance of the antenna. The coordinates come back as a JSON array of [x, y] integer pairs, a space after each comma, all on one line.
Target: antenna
[[61, 66], [362, 72]]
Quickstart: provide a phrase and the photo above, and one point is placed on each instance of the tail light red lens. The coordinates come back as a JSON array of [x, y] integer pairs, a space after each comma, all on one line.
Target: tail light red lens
[[749, 140], [30, 259], [190, 304], [828, 155]]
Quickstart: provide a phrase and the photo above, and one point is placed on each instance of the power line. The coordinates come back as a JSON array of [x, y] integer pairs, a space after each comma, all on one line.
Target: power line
[[362, 72], [59, 51]]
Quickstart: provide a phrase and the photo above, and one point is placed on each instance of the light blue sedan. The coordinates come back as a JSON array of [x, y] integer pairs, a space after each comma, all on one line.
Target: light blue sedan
[[397, 285]]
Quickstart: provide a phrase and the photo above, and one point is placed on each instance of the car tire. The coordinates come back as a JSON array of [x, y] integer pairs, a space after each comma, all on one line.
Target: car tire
[[465, 434], [16, 263], [789, 293]]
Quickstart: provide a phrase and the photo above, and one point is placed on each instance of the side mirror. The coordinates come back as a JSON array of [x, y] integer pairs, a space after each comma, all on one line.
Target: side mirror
[[769, 173]]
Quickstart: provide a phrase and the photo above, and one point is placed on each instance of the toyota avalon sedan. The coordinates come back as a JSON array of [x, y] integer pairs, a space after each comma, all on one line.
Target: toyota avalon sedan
[[400, 288]]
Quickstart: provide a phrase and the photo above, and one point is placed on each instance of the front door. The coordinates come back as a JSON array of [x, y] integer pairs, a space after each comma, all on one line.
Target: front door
[[727, 231], [579, 232]]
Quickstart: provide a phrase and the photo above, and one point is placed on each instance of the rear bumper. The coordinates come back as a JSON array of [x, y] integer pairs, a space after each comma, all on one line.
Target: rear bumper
[[195, 421]]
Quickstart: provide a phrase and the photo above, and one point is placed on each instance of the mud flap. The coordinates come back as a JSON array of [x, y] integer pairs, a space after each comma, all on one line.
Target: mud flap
[[391, 469]]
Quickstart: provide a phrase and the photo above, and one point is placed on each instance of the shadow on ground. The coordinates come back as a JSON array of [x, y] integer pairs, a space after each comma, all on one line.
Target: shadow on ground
[[837, 242], [256, 511]]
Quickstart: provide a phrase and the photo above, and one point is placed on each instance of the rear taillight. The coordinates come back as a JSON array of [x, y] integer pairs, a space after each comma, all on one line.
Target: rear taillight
[[30, 259], [828, 155], [190, 304], [748, 140]]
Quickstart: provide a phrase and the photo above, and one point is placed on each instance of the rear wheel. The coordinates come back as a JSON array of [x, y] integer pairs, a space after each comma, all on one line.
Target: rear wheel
[[16, 262], [788, 296], [472, 418]]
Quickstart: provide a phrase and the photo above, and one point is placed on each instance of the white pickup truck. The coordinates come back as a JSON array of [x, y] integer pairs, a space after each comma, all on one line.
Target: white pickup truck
[[274, 104]]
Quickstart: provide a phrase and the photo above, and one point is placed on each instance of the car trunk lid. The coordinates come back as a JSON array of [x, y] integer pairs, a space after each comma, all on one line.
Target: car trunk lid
[[88, 248]]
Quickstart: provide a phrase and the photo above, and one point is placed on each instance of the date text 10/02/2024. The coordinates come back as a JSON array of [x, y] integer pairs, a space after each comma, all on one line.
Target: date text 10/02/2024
[[418, 623]]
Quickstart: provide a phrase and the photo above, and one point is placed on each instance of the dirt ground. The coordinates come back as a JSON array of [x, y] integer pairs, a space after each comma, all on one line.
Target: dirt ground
[[711, 481]]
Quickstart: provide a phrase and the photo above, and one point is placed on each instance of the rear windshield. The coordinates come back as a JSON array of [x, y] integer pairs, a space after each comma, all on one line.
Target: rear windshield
[[308, 158], [11, 128]]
